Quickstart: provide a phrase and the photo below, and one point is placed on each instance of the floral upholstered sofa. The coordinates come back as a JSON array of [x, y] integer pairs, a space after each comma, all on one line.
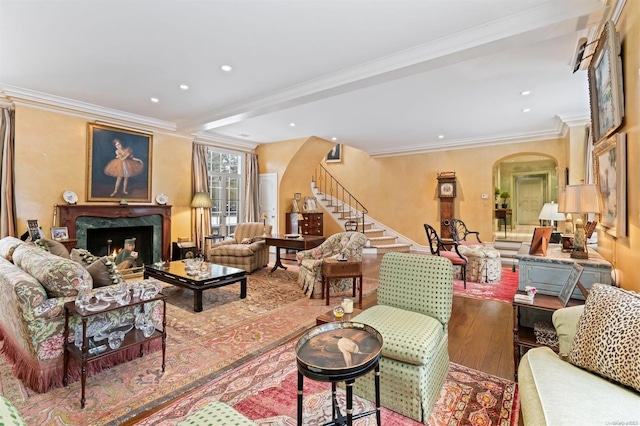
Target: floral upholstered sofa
[[34, 286]]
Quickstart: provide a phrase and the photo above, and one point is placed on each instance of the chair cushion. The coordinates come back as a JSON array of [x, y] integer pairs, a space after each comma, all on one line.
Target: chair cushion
[[453, 257], [237, 250], [608, 334], [407, 336], [216, 413]]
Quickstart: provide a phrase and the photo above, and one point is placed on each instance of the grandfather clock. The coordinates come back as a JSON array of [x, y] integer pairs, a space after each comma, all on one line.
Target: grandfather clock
[[447, 195]]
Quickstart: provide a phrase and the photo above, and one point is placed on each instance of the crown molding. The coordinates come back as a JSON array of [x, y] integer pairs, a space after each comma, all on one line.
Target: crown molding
[[224, 142], [54, 103]]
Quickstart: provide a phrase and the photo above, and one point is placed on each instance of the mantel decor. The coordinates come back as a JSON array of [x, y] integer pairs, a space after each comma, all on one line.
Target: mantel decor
[[119, 164], [605, 84]]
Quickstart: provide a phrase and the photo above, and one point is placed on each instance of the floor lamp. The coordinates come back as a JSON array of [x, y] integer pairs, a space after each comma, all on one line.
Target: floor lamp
[[201, 201]]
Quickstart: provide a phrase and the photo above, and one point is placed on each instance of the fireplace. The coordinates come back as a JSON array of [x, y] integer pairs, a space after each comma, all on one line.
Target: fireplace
[[109, 241], [151, 225]]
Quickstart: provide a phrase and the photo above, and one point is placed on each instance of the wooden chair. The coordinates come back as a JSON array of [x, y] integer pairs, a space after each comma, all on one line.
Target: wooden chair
[[448, 250], [459, 232]]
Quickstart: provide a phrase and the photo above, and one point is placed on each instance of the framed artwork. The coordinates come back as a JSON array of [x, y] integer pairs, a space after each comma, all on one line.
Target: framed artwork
[[294, 206], [35, 233], [119, 164], [310, 205], [540, 240], [60, 234], [605, 84], [570, 284], [335, 155], [610, 163]]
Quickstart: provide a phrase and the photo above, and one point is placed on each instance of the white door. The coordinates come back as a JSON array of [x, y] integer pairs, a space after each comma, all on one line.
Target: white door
[[268, 199], [530, 193]]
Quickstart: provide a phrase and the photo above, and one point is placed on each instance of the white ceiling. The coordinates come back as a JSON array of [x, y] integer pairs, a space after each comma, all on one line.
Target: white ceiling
[[386, 76]]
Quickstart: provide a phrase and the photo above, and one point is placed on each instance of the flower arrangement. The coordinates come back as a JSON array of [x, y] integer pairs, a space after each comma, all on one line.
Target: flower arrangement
[[531, 291]]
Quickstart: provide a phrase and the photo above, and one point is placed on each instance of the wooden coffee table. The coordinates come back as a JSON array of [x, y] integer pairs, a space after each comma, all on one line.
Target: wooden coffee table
[[217, 276], [304, 242]]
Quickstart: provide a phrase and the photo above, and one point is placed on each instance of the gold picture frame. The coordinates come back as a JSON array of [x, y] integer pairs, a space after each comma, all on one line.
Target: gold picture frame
[[119, 164], [610, 164]]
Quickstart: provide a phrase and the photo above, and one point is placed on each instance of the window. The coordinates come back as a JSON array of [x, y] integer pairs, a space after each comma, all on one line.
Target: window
[[226, 184]]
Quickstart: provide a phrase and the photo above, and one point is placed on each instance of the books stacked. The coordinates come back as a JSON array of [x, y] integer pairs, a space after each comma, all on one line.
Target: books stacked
[[523, 298]]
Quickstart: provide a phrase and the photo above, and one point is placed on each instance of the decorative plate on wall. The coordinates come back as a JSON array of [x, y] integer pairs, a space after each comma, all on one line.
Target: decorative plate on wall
[[162, 199], [70, 197]]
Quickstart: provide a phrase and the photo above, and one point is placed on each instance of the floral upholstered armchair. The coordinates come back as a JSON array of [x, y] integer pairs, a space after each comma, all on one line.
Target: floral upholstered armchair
[[310, 261]]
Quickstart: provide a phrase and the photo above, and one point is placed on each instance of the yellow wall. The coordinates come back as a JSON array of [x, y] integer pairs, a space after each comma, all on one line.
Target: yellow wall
[[51, 157], [625, 252], [401, 191]]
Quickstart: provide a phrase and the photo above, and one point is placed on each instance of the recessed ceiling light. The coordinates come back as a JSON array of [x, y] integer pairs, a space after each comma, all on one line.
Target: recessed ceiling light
[[155, 100], [292, 124], [334, 138], [525, 92], [184, 87], [526, 110], [440, 136], [226, 68]]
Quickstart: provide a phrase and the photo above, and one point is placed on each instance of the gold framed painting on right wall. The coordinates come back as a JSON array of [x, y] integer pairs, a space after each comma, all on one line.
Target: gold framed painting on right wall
[[610, 164]]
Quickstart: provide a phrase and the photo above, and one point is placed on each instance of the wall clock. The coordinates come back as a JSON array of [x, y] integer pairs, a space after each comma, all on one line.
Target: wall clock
[[447, 195], [447, 189]]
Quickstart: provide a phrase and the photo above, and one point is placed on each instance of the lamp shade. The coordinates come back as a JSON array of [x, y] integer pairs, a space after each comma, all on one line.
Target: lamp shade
[[550, 212], [582, 199], [201, 199]]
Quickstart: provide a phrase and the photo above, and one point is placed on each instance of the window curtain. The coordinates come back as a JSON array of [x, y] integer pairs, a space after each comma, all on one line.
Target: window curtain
[[200, 183], [251, 196], [7, 170]]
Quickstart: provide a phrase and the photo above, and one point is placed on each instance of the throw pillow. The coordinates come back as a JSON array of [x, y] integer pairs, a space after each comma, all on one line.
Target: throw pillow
[[82, 256], [54, 247], [9, 244], [608, 333], [246, 241], [104, 272]]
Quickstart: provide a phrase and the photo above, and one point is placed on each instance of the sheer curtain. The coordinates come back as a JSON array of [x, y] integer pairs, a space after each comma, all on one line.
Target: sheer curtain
[[7, 201], [200, 183], [251, 196]]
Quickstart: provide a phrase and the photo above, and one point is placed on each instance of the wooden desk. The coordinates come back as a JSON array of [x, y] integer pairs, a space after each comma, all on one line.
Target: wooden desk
[[502, 214], [305, 242], [549, 273]]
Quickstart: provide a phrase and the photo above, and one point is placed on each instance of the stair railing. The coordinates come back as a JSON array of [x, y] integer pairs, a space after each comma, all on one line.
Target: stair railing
[[338, 196]]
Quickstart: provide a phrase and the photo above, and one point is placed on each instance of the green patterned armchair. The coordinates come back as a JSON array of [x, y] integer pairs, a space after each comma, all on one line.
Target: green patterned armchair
[[310, 261], [415, 295]]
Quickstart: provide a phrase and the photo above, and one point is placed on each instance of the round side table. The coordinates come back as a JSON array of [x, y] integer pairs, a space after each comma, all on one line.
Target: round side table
[[339, 352]]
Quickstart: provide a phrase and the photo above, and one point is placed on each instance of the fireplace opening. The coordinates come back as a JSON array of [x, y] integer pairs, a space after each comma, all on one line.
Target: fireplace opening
[[109, 241]]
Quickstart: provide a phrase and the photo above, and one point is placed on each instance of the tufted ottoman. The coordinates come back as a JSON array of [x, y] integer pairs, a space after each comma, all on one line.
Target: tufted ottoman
[[483, 264], [216, 413]]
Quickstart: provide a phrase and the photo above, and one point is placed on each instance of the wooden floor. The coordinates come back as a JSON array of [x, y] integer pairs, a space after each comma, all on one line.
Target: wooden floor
[[480, 331]]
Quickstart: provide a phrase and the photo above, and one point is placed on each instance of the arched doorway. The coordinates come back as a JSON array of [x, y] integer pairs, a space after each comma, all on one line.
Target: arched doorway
[[531, 180]]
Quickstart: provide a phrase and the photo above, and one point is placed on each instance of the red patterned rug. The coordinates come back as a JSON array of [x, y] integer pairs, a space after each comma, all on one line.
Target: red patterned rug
[[502, 291], [265, 390]]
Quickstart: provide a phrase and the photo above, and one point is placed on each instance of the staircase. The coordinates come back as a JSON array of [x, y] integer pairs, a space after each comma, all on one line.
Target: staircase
[[343, 206]]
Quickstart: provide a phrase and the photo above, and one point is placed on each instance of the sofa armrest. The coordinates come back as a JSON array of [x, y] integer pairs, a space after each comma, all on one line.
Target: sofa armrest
[[565, 321], [223, 243]]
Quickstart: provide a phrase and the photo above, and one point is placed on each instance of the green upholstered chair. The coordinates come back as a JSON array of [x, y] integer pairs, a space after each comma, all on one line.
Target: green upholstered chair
[[415, 295], [216, 413], [9, 415]]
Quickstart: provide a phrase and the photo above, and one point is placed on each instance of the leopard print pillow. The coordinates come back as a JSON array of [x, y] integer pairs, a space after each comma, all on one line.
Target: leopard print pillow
[[608, 333]]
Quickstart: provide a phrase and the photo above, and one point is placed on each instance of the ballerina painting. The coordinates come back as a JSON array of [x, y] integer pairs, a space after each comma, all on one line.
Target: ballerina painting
[[119, 165]]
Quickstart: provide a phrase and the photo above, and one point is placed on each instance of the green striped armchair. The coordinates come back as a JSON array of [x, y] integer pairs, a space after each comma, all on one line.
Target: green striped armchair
[[415, 295]]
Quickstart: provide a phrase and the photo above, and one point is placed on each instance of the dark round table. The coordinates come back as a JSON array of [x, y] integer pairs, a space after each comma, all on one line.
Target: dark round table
[[339, 352]]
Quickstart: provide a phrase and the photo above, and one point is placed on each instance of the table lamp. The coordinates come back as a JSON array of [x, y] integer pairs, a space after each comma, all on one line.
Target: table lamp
[[201, 201], [580, 200], [300, 218], [550, 212]]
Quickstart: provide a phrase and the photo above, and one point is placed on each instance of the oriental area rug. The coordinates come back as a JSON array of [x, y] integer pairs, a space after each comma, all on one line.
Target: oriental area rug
[[502, 291], [200, 347], [265, 390]]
